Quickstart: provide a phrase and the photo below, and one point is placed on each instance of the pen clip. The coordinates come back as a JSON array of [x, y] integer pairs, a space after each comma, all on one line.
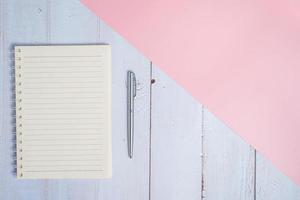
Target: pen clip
[[134, 84]]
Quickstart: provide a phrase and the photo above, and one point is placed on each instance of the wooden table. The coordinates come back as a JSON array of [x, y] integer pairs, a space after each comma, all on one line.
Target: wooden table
[[181, 150]]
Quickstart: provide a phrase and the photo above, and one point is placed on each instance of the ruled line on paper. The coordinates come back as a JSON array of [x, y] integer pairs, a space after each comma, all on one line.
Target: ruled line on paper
[[56, 106], [41, 135], [64, 126], [60, 155], [61, 118], [63, 66], [63, 165], [53, 109], [46, 152], [65, 85], [64, 149], [54, 145], [48, 113], [70, 103], [80, 97], [66, 159], [54, 90], [60, 82], [64, 81], [54, 150], [63, 170], [76, 131], [62, 72], [63, 77], [96, 143], [73, 61], [46, 119], [94, 101], [75, 77], [63, 153], [61, 123], [58, 92], [41, 129], [63, 139], [42, 71], [53, 56], [62, 100]]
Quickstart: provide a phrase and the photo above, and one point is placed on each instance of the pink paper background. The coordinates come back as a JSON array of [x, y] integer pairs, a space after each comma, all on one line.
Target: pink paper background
[[241, 59]]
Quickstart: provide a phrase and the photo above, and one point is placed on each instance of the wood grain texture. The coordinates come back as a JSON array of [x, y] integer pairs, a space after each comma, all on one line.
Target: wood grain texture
[[24, 24], [175, 141], [271, 184], [229, 163]]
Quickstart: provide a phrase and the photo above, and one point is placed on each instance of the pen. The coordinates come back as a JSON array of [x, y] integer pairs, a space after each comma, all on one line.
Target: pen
[[131, 93]]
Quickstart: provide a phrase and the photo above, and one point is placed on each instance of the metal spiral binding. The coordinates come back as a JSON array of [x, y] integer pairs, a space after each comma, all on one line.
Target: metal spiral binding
[[18, 89]]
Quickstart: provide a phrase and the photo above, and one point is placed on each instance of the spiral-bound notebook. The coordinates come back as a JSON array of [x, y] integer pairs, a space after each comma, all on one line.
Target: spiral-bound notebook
[[63, 111]]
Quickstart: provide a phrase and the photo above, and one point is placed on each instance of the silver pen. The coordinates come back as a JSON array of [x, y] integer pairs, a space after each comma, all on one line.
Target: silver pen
[[131, 93]]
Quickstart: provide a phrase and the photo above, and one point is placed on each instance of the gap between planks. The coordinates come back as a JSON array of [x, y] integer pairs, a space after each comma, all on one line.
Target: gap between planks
[[202, 155], [152, 81]]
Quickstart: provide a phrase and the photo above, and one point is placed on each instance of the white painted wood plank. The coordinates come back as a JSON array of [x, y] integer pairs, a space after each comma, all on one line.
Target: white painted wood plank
[[228, 163], [130, 177], [23, 23], [271, 184], [2, 55], [71, 22], [175, 141]]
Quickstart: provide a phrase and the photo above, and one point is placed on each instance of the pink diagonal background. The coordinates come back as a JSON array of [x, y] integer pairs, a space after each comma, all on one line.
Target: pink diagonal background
[[241, 59]]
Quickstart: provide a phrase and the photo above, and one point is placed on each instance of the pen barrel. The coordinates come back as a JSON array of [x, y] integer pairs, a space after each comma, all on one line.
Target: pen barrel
[[131, 91]]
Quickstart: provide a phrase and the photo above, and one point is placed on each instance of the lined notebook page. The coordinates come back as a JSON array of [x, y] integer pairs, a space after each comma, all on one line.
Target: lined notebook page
[[63, 111]]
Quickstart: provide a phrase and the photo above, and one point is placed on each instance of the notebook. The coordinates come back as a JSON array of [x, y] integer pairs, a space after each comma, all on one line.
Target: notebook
[[63, 111]]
